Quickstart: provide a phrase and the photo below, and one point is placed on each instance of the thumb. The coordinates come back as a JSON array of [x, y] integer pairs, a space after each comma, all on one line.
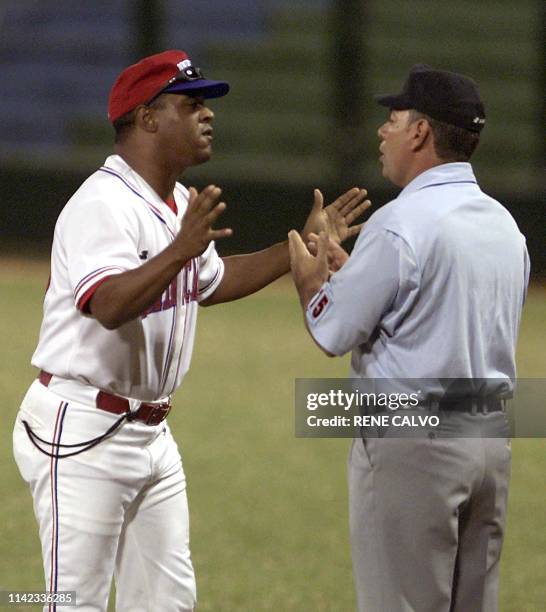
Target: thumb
[[296, 246], [319, 201]]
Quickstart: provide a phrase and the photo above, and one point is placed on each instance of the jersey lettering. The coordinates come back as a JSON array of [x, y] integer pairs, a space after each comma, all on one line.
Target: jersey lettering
[[190, 290], [191, 277], [167, 300]]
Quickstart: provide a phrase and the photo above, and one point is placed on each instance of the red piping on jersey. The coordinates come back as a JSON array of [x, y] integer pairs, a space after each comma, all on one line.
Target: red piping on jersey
[[83, 302], [92, 275]]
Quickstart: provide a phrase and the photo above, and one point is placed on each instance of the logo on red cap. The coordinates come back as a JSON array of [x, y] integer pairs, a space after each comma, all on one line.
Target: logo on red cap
[[184, 64]]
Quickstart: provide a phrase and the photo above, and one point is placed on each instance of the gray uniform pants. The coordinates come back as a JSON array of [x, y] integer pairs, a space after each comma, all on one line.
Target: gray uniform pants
[[427, 520]]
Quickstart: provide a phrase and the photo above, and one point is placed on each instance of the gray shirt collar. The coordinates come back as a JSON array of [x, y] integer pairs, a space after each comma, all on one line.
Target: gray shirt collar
[[455, 172]]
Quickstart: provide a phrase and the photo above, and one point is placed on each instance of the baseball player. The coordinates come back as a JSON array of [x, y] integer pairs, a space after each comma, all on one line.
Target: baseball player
[[133, 256], [433, 291]]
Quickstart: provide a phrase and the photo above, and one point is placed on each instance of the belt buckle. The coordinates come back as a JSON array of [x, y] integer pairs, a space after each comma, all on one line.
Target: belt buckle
[[158, 413]]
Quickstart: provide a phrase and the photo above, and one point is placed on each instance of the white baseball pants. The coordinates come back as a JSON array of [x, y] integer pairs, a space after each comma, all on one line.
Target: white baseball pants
[[119, 508]]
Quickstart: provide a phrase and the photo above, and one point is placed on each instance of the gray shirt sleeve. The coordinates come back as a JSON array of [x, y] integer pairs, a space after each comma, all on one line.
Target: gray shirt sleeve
[[374, 288]]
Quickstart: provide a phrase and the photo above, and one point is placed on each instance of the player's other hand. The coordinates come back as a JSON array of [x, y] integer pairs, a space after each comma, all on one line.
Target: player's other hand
[[337, 255], [336, 219], [197, 232], [308, 271]]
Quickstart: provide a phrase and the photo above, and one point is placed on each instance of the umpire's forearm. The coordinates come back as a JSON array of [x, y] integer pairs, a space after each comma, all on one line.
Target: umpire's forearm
[[246, 274]]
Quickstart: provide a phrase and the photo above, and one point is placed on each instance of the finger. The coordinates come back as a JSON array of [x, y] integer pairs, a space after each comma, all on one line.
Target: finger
[[192, 196], [296, 241], [312, 237], [353, 202], [356, 212], [312, 248], [208, 198], [345, 198], [210, 195], [318, 201], [215, 213], [292, 248], [322, 247], [354, 230], [296, 245], [218, 234]]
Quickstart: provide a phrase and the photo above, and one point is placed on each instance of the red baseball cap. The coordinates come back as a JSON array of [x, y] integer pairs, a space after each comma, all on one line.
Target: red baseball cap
[[167, 72]]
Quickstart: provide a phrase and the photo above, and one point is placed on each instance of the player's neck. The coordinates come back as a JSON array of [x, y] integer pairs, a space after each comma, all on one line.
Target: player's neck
[[160, 178]]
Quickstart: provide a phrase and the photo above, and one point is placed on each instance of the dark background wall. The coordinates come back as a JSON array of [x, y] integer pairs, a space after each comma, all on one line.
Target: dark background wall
[[300, 113], [259, 213]]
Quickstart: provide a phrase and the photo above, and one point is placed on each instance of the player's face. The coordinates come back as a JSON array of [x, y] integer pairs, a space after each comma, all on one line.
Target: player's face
[[185, 128], [394, 147]]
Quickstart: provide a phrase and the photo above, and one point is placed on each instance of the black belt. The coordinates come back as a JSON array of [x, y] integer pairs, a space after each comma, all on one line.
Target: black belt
[[473, 405]]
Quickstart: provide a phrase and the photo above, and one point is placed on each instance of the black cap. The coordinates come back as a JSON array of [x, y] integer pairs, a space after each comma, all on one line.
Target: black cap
[[445, 96]]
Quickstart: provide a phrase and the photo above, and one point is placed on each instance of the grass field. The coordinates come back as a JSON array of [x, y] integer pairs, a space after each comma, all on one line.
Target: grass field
[[268, 511]]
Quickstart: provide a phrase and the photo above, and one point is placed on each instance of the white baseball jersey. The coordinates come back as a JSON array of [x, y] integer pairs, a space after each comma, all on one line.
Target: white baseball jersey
[[114, 223]]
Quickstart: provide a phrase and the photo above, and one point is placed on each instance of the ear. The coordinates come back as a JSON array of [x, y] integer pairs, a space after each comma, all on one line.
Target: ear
[[146, 118], [421, 134]]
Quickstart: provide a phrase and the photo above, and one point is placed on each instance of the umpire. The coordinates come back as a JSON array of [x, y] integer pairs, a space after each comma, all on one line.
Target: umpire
[[433, 291]]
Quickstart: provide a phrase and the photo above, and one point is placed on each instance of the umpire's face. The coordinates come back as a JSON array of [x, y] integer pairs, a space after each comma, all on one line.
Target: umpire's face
[[396, 136]]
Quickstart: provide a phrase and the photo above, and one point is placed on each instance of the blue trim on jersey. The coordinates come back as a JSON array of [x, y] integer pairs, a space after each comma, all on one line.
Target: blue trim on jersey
[[56, 517], [94, 273], [169, 348], [129, 186], [209, 284]]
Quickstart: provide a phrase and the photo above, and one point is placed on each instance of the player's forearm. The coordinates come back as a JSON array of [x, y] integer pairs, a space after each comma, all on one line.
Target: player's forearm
[[246, 274], [124, 297]]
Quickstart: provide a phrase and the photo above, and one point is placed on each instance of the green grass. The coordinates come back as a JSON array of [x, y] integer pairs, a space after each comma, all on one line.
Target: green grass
[[268, 511]]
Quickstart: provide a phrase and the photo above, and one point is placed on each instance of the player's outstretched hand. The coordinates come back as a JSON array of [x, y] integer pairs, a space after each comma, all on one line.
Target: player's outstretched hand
[[197, 232], [308, 271], [337, 255], [336, 219]]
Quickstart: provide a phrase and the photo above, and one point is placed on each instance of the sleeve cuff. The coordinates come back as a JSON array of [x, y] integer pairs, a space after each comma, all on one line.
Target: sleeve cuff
[[316, 310], [209, 288], [89, 284], [319, 305]]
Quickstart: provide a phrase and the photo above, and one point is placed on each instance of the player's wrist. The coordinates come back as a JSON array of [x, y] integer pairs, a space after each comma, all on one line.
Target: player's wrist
[[179, 255]]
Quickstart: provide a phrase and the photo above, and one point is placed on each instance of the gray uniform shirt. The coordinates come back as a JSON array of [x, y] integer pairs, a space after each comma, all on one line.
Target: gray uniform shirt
[[434, 287]]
